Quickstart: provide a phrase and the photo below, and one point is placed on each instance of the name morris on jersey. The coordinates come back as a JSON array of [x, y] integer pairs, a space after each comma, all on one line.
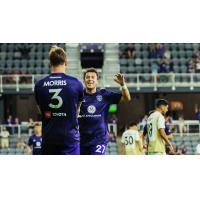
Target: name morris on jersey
[[55, 82]]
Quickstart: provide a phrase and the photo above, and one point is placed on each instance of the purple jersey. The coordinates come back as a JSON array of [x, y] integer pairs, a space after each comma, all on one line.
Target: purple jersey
[[93, 123], [57, 96], [36, 143]]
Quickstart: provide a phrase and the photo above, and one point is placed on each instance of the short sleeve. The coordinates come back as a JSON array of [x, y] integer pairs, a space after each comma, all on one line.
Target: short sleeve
[[161, 122], [137, 136], [112, 97]]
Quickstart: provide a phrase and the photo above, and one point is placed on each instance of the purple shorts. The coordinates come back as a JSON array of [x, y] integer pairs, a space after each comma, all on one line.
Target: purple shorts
[[52, 149], [97, 149]]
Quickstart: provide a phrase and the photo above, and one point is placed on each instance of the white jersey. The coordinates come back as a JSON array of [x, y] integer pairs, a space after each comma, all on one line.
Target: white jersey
[[129, 138], [155, 122]]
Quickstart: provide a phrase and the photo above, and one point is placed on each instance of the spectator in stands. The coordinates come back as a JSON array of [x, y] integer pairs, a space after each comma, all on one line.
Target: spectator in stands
[[163, 68], [24, 49], [154, 70], [160, 50], [21, 144], [16, 123], [191, 66], [130, 51], [198, 148], [113, 119], [5, 138], [183, 149], [10, 122], [31, 125], [176, 150], [157, 51], [167, 54], [112, 137], [181, 125], [197, 68], [197, 112]]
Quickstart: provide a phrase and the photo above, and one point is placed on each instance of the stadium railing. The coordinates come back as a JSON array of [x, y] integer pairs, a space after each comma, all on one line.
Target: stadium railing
[[168, 80]]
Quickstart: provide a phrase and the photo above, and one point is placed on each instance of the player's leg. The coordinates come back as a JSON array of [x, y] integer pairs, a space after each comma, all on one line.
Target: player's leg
[[98, 149]]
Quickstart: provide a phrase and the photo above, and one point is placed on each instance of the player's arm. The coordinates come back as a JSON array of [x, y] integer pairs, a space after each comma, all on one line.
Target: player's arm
[[161, 130], [170, 137], [119, 78], [123, 146], [165, 138], [140, 145], [29, 149], [123, 149], [79, 107]]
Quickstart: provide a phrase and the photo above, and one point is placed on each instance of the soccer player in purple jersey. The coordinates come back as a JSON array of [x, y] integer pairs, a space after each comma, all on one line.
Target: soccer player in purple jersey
[[93, 120], [59, 98]]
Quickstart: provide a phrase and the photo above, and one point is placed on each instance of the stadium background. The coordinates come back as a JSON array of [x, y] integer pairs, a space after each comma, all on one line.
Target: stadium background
[[152, 71]]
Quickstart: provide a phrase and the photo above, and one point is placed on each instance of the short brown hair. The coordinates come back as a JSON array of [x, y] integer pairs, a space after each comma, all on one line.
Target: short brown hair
[[91, 70], [57, 56]]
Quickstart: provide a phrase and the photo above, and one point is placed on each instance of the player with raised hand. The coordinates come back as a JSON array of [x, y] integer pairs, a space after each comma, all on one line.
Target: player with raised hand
[[93, 120], [156, 130], [59, 98]]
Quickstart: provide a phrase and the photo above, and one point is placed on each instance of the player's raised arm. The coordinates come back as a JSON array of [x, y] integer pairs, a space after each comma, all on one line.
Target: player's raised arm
[[119, 78]]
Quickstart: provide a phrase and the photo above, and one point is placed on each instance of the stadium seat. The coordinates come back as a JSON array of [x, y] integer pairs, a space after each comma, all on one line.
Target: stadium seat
[[39, 55], [19, 151], [137, 46], [189, 54], [16, 64], [181, 54], [9, 63], [131, 62], [24, 63], [31, 63], [32, 55], [138, 69], [188, 46], [39, 63], [181, 46], [130, 69], [11, 151], [123, 62], [144, 54]]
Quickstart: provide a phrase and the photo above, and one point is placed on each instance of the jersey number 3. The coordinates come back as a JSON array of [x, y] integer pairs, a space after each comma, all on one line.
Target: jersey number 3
[[57, 97]]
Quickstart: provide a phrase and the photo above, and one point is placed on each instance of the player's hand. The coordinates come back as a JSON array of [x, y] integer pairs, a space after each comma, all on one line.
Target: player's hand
[[171, 148], [119, 78]]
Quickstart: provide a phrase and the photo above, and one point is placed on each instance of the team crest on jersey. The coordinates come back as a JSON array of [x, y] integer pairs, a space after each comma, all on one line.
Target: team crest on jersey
[[38, 144], [99, 97], [91, 109]]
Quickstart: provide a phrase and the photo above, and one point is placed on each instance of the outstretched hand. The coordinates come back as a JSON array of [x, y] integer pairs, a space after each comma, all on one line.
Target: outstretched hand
[[119, 78]]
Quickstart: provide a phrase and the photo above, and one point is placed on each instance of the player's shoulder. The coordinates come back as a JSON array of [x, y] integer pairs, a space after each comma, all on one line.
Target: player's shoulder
[[41, 81], [31, 137], [104, 91], [73, 79]]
